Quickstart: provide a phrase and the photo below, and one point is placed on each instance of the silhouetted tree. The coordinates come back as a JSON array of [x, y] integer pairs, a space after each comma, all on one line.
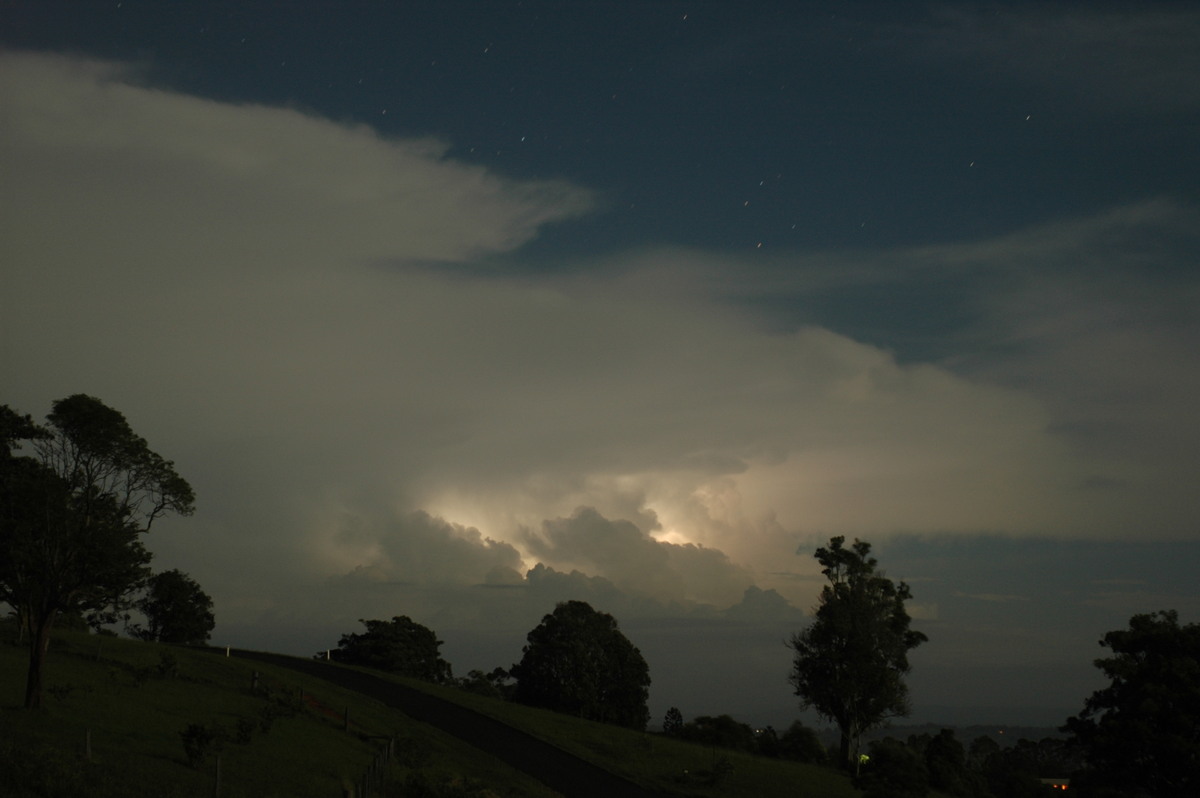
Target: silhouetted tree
[[21, 480], [802, 744], [476, 681], [495, 684], [400, 646], [176, 610], [578, 662], [71, 518], [1014, 772], [1048, 757], [981, 749], [673, 722], [893, 770], [721, 731], [1141, 734], [767, 743], [850, 663], [946, 763]]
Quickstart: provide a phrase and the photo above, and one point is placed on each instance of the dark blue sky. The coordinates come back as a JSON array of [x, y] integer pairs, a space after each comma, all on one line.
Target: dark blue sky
[[735, 276], [840, 124]]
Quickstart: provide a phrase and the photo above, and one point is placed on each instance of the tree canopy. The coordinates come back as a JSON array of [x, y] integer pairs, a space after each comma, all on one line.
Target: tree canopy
[[1141, 734], [577, 661], [73, 515], [850, 662], [176, 609], [400, 646]]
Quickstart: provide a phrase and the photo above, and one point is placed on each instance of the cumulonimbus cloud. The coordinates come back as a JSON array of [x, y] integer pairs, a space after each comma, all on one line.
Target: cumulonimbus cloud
[[635, 562], [238, 281]]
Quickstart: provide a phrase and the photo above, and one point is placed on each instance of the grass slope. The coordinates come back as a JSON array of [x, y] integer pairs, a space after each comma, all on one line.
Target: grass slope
[[134, 699], [655, 761]]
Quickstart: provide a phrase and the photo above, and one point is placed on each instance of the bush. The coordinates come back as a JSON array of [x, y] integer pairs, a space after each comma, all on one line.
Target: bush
[[168, 666], [199, 741], [245, 731]]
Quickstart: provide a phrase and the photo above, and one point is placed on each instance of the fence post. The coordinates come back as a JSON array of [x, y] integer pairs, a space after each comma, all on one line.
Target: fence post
[[217, 779], [87, 746]]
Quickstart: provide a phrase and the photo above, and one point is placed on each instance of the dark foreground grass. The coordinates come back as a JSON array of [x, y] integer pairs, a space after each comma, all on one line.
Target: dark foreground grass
[[278, 735]]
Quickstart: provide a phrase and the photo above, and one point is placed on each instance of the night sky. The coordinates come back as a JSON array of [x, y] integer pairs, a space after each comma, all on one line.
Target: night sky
[[456, 310]]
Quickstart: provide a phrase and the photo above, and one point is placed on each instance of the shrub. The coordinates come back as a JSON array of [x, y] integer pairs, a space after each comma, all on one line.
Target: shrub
[[168, 666], [199, 741]]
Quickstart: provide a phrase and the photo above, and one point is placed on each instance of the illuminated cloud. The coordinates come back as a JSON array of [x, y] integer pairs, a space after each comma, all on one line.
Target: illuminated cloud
[[232, 257], [332, 334], [637, 563], [420, 549]]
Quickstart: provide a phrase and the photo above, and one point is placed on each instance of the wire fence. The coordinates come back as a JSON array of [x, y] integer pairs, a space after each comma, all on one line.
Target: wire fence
[[374, 777]]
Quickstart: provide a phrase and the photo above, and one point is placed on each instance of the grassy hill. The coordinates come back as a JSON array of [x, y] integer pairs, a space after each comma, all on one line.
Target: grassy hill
[[131, 704], [660, 762]]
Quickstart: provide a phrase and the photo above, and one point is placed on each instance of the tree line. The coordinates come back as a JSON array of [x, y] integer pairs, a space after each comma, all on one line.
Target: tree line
[[576, 661], [1138, 737], [73, 514]]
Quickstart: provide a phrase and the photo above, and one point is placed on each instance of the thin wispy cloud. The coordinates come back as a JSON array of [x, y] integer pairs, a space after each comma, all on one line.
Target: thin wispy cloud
[[1115, 59]]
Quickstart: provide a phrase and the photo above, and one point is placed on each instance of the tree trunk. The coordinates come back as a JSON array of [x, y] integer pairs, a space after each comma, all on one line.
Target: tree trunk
[[844, 748], [848, 748], [39, 644]]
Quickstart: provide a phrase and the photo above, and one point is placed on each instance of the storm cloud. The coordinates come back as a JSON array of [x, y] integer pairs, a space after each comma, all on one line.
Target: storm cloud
[[330, 332]]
